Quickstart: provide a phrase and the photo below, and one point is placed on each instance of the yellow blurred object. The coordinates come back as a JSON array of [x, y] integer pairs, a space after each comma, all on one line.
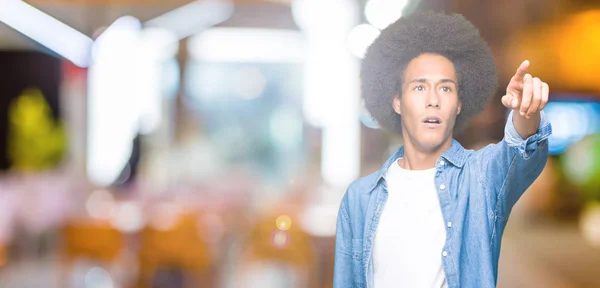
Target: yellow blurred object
[[291, 245], [564, 54], [96, 240], [179, 246], [283, 222], [35, 141], [291, 248], [2, 255]]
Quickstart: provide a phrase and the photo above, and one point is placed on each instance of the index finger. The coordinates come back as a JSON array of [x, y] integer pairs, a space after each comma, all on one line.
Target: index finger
[[521, 71]]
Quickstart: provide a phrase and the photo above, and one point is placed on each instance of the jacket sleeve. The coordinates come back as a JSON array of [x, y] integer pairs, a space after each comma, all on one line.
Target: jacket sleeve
[[512, 165], [342, 271]]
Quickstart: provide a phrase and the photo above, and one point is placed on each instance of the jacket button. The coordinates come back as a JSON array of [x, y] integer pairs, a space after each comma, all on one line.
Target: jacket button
[[444, 253], [442, 186], [449, 224]]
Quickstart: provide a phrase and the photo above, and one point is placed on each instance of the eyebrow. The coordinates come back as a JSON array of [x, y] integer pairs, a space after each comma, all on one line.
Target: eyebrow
[[424, 80]]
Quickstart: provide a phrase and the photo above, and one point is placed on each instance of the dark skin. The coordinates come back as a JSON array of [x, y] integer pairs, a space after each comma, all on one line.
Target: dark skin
[[429, 105]]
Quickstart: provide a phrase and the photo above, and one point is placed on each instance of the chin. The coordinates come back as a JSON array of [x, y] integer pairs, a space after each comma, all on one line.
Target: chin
[[430, 145], [428, 139], [432, 142]]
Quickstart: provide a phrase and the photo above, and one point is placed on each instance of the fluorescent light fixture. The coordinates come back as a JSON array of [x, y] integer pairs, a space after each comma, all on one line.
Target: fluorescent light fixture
[[112, 103], [382, 13], [331, 90], [325, 16], [156, 47], [189, 19], [248, 45], [46, 30], [120, 27], [125, 89], [159, 43]]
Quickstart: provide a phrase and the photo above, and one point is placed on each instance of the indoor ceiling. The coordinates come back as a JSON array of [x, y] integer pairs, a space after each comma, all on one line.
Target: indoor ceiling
[[87, 16], [500, 22]]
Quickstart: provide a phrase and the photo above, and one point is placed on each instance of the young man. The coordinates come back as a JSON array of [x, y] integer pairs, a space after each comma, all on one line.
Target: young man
[[434, 215]]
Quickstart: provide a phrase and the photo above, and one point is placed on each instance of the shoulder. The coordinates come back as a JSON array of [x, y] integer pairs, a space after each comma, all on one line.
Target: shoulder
[[359, 191], [363, 185]]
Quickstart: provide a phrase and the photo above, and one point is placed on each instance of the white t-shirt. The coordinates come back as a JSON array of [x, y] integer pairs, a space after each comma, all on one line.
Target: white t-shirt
[[411, 232]]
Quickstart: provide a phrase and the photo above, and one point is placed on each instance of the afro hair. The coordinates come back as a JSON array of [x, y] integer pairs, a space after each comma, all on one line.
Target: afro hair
[[451, 36]]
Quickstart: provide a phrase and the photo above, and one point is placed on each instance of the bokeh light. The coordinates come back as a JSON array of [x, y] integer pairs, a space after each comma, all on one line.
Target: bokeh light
[[360, 38], [251, 83], [128, 217], [100, 204], [164, 216], [283, 222], [589, 224], [571, 121], [280, 239], [98, 277], [581, 163]]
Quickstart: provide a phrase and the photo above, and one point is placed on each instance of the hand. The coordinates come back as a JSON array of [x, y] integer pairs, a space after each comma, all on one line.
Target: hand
[[525, 94]]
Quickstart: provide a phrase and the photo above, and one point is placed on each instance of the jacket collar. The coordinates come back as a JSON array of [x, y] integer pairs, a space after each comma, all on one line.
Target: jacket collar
[[456, 155]]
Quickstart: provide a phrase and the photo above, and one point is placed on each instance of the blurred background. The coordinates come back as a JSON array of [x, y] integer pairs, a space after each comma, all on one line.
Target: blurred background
[[208, 143]]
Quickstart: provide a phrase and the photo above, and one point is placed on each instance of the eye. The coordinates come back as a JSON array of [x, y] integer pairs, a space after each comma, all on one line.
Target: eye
[[419, 88], [446, 89]]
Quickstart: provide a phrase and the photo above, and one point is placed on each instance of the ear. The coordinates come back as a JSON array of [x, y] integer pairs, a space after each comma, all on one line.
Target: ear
[[459, 108], [396, 104]]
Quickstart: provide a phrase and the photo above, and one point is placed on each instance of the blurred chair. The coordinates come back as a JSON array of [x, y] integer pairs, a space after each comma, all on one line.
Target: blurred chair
[[277, 257], [95, 241], [172, 253]]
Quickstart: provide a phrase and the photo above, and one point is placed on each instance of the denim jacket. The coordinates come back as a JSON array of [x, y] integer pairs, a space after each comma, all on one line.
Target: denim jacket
[[476, 190]]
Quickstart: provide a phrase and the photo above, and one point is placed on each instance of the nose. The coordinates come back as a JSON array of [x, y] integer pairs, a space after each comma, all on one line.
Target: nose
[[433, 100]]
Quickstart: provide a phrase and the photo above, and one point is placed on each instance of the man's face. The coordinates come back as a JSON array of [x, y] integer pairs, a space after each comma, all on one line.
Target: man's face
[[429, 102]]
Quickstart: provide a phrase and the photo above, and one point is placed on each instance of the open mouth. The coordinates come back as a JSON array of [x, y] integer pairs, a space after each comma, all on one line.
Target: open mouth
[[432, 121]]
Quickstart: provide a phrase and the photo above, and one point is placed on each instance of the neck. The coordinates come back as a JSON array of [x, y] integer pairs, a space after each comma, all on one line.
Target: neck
[[418, 158]]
